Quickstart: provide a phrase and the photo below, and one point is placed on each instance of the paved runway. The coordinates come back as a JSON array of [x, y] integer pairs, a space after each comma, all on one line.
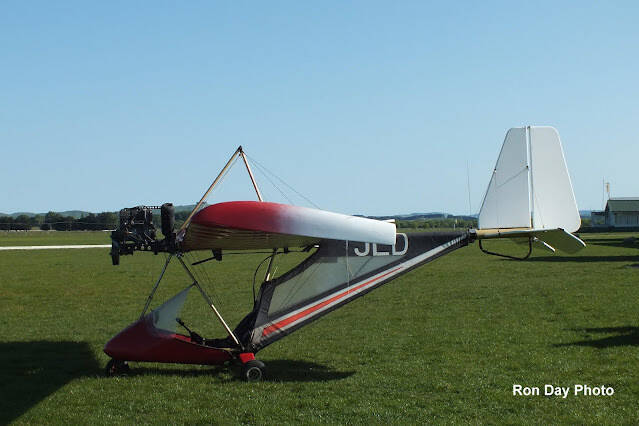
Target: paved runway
[[56, 247]]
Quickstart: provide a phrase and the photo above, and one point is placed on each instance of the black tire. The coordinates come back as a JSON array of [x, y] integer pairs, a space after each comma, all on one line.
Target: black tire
[[116, 367], [253, 371], [115, 253]]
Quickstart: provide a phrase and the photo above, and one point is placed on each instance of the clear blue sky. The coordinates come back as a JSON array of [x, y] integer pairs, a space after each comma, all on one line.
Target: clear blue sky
[[364, 107]]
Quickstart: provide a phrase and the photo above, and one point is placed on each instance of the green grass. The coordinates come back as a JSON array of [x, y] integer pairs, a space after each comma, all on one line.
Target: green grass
[[44, 238], [444, 343]]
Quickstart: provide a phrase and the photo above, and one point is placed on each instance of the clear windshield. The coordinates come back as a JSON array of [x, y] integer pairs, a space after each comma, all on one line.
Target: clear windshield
[[164, 316]]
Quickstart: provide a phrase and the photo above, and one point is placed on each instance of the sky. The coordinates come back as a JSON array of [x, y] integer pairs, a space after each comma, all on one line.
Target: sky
[[368, 107]]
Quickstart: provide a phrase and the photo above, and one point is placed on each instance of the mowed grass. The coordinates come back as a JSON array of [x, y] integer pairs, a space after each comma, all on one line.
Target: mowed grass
[[52, 238], [444, 343]]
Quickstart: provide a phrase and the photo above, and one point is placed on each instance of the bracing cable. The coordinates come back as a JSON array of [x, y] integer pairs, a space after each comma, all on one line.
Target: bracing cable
[[272, 183], [259, 165]]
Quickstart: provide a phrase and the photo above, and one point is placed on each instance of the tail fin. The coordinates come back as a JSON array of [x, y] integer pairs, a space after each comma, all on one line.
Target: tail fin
[[530, 193]]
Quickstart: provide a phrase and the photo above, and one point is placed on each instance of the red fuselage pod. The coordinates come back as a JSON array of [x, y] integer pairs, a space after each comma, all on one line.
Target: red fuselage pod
[[141, 341]]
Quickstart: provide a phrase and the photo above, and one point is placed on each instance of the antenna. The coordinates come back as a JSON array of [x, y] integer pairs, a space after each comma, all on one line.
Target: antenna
[[470, 208]]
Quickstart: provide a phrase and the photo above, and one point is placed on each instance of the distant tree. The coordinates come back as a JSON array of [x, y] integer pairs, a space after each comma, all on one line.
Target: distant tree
[[6, 223], [22, 223], [37, 220], [108, 220], [52, 217], [64, 223], [90, 222]]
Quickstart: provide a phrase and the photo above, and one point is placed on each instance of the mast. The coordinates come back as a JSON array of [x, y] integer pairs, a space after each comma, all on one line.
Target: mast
[[219, 177], [208, 191], [250, 172]]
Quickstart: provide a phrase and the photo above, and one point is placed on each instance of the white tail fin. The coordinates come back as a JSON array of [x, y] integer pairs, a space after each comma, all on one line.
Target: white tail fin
[[507, 200], [530, 190], [530, 186]]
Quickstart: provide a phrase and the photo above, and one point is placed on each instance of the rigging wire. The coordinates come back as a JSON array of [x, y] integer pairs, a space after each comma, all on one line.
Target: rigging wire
[[273, 183], [259, 165], [152, 267], [214, 288], [201, 274]]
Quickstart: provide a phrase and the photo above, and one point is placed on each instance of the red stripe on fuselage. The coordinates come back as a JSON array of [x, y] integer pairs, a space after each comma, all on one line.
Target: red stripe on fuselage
[[271, 328]]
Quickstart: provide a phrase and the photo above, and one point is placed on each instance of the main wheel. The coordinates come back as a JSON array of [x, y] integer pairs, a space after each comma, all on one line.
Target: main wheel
[[115, 253], [253, 371], [116, 367]]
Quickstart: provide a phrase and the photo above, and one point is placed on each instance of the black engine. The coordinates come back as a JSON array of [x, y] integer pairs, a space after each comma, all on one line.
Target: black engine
[[137, 232]]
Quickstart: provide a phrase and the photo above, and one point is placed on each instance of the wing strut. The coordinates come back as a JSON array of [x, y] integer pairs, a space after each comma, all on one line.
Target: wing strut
[[210, 302], [196, 284], [208, 191]]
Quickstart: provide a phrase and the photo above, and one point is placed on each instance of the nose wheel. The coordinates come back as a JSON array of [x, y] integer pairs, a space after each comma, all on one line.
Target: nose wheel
[[116, 367], [253, 371]]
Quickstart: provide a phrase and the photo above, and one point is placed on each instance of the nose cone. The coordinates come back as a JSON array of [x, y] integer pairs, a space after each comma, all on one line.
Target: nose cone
[[137, 341]]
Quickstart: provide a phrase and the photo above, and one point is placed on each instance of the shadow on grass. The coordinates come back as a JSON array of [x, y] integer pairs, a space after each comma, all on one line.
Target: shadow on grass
[[276, 371], [584, 259], [31, 371], [284, 370], [625, 336], [613, 243]]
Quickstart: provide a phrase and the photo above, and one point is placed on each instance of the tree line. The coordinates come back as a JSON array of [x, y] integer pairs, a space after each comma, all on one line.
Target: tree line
[[89, 222], [56, 221], [449, 222]]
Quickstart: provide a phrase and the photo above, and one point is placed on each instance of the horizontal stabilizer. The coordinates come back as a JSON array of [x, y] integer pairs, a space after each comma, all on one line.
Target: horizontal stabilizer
[[536, 243], [550, 238], [561, 239]]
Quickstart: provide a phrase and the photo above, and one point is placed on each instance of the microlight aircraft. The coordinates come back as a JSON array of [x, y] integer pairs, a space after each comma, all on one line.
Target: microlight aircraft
[[529, 199]]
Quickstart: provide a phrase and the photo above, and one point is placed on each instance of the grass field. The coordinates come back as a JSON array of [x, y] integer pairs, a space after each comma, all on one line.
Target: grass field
[[444, 343], [45, 238]]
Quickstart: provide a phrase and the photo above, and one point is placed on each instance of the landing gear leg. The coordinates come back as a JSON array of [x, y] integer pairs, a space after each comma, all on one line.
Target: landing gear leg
[[252, 369]]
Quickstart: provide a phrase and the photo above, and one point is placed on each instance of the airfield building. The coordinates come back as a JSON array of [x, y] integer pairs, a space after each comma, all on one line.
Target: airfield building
[[622, 212]]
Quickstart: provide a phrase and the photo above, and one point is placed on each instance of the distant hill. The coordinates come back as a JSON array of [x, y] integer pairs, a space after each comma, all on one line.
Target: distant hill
[[14, 215], [76, 214]]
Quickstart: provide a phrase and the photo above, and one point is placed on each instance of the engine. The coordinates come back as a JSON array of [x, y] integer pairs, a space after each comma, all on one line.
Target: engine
[[136, 231]]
